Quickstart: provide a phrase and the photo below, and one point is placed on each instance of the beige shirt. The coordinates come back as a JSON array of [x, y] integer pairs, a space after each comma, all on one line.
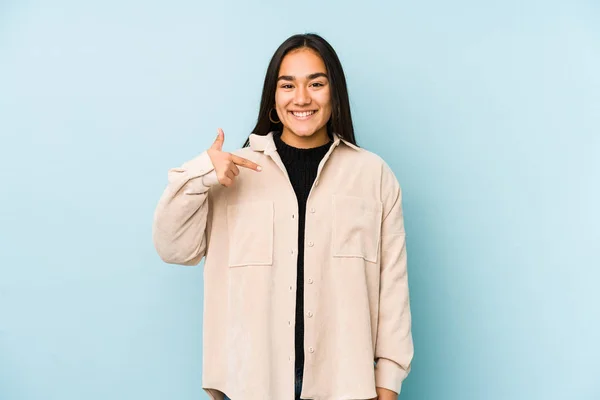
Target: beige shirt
[[356, 302]]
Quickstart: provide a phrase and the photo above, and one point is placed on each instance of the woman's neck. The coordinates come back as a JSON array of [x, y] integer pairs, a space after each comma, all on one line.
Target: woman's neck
[[317, 139]]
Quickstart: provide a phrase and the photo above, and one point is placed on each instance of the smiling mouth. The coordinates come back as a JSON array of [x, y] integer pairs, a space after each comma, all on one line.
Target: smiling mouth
[[303, 114]]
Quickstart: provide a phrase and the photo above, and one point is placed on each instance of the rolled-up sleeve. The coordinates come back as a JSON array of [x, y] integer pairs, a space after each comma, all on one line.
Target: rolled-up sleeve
[[181, 214]]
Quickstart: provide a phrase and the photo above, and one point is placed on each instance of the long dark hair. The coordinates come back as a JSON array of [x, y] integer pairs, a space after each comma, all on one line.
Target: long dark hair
[[341, 119]]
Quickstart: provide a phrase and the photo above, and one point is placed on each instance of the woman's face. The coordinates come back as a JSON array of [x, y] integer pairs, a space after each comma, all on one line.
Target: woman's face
[[302, 97]]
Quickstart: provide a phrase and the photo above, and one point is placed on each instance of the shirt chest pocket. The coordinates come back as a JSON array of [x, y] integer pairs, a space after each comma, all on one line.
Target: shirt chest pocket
[[250, 230], [356, 230]]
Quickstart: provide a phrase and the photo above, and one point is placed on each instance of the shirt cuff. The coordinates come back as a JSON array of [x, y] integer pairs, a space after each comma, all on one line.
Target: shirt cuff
[[389, 375], [199, 173], [211, 179], [198, 166]]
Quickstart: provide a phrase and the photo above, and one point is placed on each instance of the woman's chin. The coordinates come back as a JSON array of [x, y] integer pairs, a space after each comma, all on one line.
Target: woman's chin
[[303, 131]]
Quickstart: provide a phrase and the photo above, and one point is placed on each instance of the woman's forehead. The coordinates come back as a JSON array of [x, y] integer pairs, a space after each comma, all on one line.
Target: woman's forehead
[[301, 62]]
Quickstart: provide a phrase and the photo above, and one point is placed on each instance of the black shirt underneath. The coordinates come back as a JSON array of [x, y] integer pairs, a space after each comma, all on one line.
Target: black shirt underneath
[[301, 166]]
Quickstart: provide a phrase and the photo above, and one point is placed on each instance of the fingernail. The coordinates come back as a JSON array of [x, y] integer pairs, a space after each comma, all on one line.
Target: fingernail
[[259, 168]]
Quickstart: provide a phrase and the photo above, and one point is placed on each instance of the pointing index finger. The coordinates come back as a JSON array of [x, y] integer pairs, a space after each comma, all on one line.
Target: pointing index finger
[[242, 162]]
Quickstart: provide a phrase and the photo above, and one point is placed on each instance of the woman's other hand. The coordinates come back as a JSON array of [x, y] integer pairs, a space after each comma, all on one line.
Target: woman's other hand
[[226, 164]]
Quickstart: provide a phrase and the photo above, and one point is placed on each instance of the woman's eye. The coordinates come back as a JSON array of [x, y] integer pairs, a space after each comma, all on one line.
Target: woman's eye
[[286, 86], [317, 84]]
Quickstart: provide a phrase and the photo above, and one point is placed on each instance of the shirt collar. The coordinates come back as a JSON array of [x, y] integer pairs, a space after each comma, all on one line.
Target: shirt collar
[[266, 143]]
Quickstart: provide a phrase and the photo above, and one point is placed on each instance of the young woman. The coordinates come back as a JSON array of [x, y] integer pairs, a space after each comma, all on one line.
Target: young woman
[[305, 276]]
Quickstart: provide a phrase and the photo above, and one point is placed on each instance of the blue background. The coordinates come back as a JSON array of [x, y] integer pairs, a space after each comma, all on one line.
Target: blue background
[[487, 111]]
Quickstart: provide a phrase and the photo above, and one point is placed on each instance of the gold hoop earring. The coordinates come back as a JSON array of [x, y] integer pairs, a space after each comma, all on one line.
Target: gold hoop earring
[[271, 119]]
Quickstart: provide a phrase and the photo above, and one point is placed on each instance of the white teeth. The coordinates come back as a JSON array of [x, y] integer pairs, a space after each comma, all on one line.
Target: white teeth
[[303, 114]]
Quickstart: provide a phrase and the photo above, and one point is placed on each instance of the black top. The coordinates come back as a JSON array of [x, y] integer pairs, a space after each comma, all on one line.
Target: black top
[[301, 166]]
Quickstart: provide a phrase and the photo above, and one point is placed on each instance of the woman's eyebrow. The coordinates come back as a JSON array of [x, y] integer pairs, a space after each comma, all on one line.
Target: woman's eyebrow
[[309, 77]]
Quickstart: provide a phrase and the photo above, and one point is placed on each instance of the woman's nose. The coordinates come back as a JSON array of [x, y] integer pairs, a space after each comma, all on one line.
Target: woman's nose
[[301, 96]]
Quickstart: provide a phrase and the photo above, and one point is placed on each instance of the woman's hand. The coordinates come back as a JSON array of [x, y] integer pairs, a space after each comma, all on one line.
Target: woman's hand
[[385, 394], [226, 164]]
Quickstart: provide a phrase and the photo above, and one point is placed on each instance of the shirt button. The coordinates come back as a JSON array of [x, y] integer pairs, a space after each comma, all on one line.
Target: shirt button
[[201, 171], [291, 288], [310, 244], [309, 314], [289, 323], [312, 210], [317, 182], [311, 349], [290, 358], [293, 216], [292, 251], [310, 280]]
